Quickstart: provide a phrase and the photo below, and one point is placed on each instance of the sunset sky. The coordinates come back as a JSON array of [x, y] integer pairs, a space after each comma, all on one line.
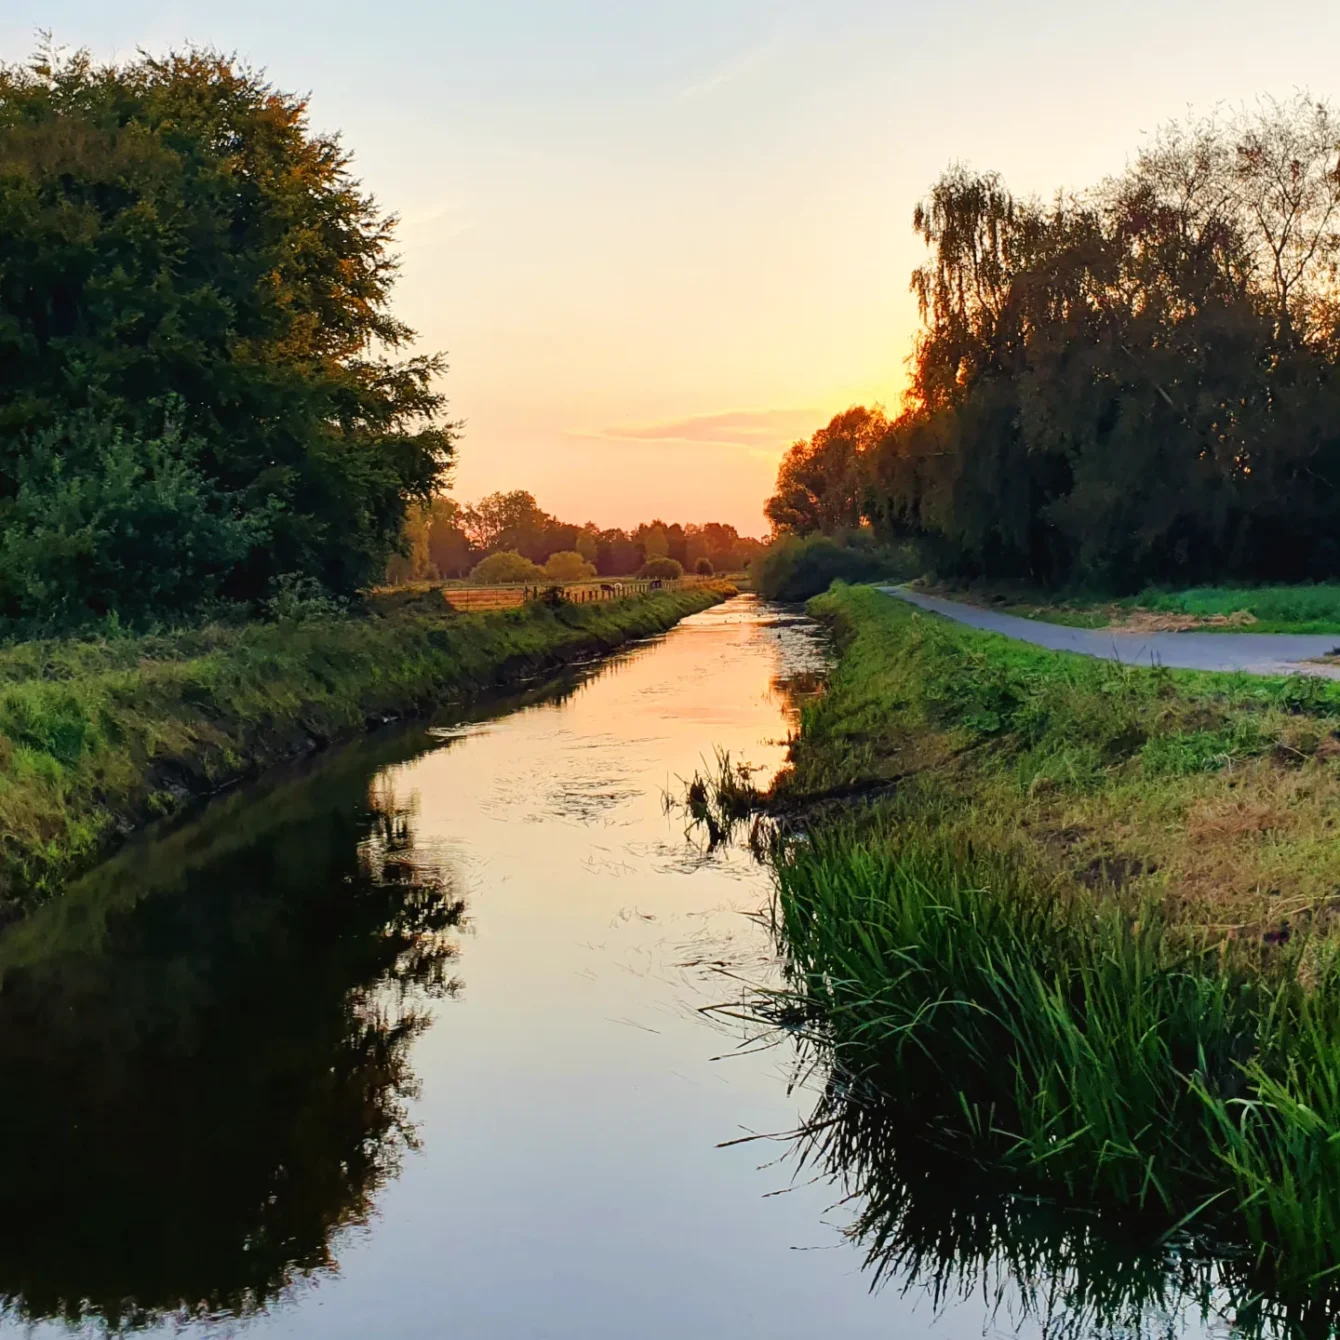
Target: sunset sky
[[659, 240]]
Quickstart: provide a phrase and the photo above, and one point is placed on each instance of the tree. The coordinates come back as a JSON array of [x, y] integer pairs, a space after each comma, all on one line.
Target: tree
[[568, 566], [1136, 384], [655, 540], [448, 544], [501, 517], [178, 241], [821, 484], [588, 542], [661, 568], [506, 566]]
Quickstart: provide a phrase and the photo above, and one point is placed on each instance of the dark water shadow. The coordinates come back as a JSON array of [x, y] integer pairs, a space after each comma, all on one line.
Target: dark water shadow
[[205, 1043]]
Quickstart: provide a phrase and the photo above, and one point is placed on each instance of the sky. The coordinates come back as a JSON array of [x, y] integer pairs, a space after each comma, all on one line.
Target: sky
[[658, 240]]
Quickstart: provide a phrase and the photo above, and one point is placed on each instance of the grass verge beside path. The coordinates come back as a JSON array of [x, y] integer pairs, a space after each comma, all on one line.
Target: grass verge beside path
[[98, 738], [1224, 609], [1078, 925]]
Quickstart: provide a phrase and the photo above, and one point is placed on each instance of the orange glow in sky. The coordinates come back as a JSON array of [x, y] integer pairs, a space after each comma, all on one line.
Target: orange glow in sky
[[660, 239]]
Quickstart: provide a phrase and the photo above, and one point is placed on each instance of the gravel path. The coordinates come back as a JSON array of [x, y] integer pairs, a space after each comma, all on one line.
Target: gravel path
[[1251, 653]]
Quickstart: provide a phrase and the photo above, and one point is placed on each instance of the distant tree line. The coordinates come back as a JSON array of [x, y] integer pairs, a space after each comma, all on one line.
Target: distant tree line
[[446, 539], [1139, 383], [202, 391]]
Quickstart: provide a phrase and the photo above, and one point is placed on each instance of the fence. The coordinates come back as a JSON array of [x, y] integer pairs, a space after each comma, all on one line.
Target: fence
[[483, 598]]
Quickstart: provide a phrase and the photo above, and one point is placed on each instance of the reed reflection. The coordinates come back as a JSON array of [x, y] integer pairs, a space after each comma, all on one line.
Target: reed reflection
[[206, 1079], [929, 1219]]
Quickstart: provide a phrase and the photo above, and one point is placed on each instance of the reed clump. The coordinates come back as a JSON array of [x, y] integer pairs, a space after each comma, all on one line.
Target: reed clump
[[1091, 1050]]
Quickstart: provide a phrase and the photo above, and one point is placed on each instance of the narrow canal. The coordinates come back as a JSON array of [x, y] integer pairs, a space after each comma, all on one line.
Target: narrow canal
[[412, 1043]]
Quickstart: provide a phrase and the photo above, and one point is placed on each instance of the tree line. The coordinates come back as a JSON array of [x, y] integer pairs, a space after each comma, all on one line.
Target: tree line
[[203, 393], [1138, 383], [509, 537]]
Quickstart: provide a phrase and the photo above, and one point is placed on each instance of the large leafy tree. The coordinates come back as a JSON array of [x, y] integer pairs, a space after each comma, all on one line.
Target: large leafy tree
[[1140, 383], [178, 246], [821, 481]]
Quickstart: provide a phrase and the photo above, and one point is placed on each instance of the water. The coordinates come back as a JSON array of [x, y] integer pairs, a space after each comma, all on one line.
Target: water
[[413, 1042]]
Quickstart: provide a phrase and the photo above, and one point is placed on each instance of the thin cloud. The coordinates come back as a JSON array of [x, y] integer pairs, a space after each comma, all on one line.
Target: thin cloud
[[757, 430], [745, 63]]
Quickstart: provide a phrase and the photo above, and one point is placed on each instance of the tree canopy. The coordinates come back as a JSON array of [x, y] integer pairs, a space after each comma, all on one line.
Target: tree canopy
[[445, 539], [184, 261], [1139, 383]]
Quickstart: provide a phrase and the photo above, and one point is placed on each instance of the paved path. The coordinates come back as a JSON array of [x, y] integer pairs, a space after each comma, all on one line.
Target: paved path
[[1252, 653]]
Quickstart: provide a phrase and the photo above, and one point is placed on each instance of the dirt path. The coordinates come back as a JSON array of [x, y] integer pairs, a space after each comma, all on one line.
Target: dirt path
[[1249, 653]]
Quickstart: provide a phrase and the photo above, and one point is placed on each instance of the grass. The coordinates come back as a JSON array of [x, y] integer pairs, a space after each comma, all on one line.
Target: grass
[[1077, 926], [98, 737], [1217, 796], [1225, 609], [1095, 1057]]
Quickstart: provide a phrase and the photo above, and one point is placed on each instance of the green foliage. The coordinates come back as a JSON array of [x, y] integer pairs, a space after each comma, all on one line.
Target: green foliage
[[664, 569], [796, 568], [1137, 384], [1302, 608], [106, 526], [175, 234], [504, 567], [568, 566], [703, 567], [297, 598]]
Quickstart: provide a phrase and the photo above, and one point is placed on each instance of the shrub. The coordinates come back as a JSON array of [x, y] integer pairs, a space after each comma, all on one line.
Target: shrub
[[104, 524], [662, 568], [506, 566], [795, 568], [703, 567], [568, 566]]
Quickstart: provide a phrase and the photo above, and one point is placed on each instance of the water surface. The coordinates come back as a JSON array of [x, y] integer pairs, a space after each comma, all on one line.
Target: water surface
[[413, 1042]]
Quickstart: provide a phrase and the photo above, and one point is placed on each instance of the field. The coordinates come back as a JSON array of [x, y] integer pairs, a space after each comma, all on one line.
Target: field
[[503, 596]]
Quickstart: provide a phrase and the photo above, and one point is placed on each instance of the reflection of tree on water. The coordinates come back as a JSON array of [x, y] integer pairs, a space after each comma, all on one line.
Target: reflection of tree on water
[[199, 1095], [929, 1220]]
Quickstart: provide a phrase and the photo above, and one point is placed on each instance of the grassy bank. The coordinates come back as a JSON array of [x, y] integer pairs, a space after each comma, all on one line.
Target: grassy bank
[[1215, 795], [99, 737], [1076, 925]]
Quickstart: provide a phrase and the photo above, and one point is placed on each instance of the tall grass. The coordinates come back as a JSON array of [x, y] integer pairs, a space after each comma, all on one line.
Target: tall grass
[[928, 1219], [1302, 608], [1093, 1051]]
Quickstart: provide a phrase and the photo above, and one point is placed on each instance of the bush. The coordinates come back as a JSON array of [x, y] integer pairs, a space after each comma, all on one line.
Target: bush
[[568, 566], [703, 567], [661, 568], [105, 525], [506, 566], [796, 568]]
